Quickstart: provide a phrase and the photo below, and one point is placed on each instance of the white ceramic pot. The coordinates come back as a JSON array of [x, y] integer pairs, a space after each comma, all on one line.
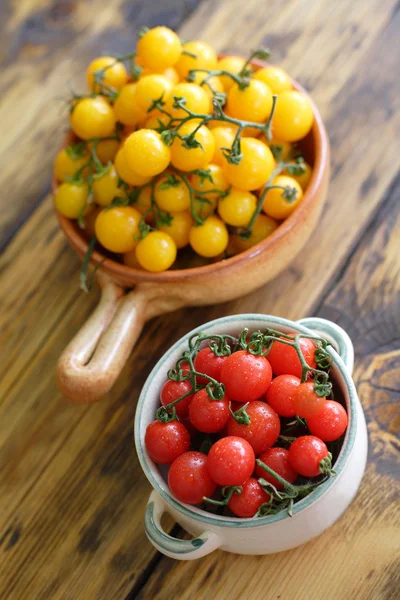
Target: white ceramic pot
[[265, 535]]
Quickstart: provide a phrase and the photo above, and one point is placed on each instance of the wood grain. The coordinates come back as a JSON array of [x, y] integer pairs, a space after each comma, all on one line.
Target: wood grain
[[73, 493]]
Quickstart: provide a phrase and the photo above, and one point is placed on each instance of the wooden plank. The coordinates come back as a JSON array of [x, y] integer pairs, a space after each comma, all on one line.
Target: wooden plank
[[54, 489], [358, 557], [45, 44]]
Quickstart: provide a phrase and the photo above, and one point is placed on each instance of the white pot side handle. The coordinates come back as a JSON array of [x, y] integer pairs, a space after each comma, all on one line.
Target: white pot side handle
[[334, 334], [192, 549]]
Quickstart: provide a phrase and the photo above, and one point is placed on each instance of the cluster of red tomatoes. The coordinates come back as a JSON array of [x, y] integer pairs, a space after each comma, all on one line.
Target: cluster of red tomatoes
[[231, 447], [176, 148]]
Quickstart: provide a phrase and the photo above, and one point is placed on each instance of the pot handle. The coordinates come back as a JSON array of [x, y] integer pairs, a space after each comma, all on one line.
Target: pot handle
[[173, 547], [334, 334], [92, 361]]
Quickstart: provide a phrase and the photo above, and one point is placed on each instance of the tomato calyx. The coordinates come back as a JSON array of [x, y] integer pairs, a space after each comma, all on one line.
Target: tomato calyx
[[241, 416], [226, 493], [168, 414], [325, 466]]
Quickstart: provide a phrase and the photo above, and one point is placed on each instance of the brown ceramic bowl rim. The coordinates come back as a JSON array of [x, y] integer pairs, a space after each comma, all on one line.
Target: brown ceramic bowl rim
[[122, 272]]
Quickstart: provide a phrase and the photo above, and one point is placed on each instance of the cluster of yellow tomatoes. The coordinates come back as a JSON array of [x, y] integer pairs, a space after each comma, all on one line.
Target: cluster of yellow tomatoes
[[173, 148]]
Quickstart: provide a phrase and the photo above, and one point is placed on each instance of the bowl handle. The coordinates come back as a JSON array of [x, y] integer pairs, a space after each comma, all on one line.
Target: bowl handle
[[334, 334], [173, 547], [92, 361]]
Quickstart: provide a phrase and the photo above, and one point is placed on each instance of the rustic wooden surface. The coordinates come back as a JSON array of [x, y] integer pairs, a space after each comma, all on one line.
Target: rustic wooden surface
[[72, 492]]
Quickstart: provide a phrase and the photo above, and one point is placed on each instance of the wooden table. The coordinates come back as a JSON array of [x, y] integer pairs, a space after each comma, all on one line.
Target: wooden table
[[72, 491]]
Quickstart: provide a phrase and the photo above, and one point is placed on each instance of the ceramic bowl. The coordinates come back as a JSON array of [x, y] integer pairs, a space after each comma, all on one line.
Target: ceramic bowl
[[265, 535], [93, 360]]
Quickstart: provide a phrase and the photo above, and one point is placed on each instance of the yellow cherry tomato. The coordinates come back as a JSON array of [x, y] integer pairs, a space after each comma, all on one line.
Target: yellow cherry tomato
[[126, 107], [171, 194], [93, 117], [255, 167], [66, 166], [129, 259], [156, 252], [293, 116], [105, 188], [89, 221], [204, 185], [275, 204], [304, 178], [189, 159], [151, 88], [262, 228], [146, 153], [254, 103], [126, 173], [213, 84], [70, 199], [110, 73], [159, 48], [223, 138], [157, 120], [205, 58], [196, 98], [170, 73], [117, 227], [237, 207], [232, 64], [209, 239], [276, 79], [106, 150], [179, 228]]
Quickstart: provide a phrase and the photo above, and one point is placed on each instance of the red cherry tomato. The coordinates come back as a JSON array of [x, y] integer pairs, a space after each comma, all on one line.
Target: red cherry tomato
[[231, 461], [330, 423], [305, 455], [247, 503], [280, 393], [278, 460], [284, 359], [306, 401], [188, 478], [172, 390], [246, 377], [264, 427], [206, 362], [208, 415], [166, 441]]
